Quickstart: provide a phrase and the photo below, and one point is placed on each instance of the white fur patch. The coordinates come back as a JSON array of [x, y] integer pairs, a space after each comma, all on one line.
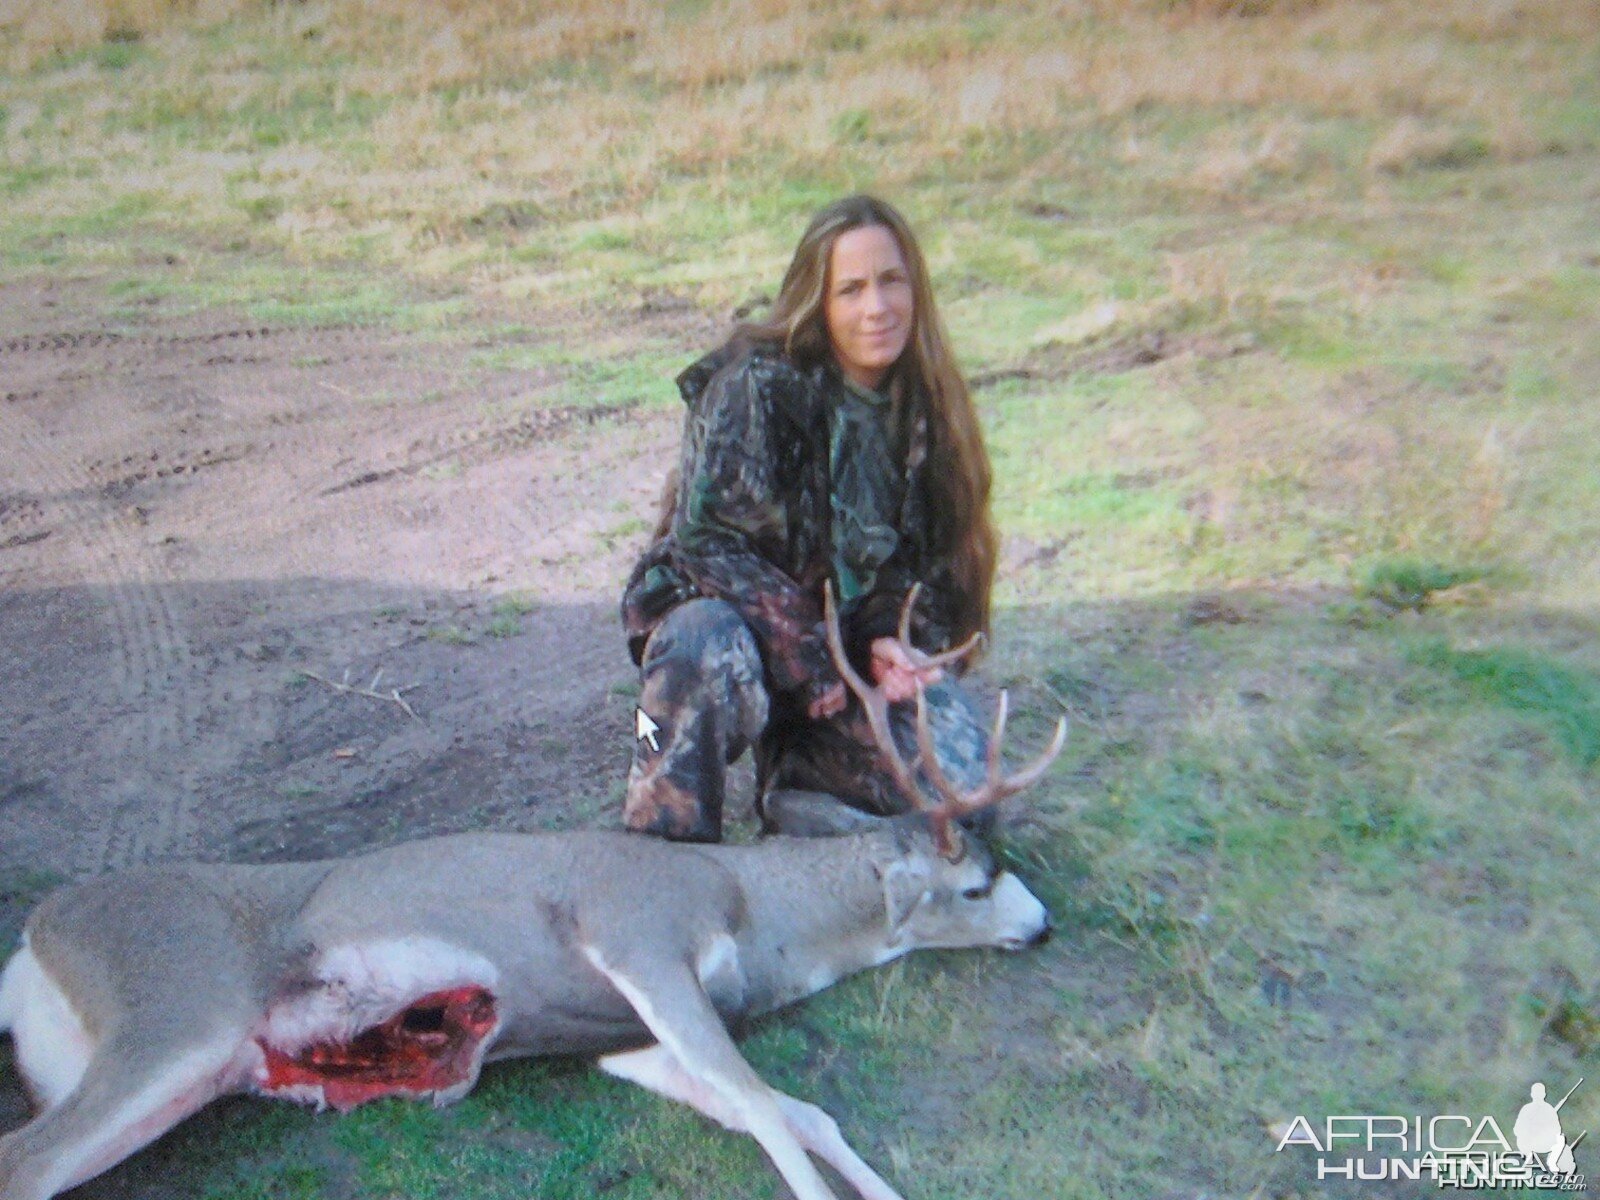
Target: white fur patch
[[720, 956], [655, 1069], [1019, 916], [754, 1106], [53, 1047], [362, 985], [889, 953], [641, 1003], [310, 1094], [821, 977], [630, 992]]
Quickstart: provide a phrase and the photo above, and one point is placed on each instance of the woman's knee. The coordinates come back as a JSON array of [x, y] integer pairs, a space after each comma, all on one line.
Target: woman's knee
[[703, 653], [697, 631]]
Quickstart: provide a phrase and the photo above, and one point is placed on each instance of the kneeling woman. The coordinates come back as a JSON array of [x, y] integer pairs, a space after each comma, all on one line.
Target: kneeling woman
[[834, 443]]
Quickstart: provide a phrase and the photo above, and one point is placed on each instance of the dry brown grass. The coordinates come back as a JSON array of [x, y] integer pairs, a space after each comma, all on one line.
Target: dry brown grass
[[42, 29], [410, 126], [1362, 58], [484, 104]]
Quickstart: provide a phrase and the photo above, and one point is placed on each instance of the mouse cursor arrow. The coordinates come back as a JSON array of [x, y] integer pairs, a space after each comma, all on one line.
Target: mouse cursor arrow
[[645, 729]]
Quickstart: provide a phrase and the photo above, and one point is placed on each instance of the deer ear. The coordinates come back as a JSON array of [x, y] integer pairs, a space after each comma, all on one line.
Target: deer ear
[[904, 886], [797, 813]]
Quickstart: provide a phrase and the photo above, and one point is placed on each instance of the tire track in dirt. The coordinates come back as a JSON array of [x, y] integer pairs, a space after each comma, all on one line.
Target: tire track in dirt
[[64, 342], [485, 442], [21, 523], [115, 479], [140, 816], [348, 360]]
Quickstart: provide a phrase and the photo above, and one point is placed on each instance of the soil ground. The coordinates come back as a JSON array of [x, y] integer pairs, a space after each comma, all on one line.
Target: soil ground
[[198, 516]]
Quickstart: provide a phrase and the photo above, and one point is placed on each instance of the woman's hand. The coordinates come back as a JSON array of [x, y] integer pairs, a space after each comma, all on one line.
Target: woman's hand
[[895, 673], [828, 703]]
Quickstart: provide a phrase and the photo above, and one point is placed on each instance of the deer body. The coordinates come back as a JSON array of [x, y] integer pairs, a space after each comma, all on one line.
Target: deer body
[[139, 997]]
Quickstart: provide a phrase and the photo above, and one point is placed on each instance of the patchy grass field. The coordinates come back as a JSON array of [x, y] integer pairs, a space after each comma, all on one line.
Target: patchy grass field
[[1282, 319]]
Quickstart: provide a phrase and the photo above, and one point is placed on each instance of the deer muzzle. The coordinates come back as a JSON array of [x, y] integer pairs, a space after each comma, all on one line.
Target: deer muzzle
[[1021, 919]]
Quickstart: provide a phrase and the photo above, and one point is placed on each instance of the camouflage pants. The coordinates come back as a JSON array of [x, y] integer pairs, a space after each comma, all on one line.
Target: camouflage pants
[[702, 689]]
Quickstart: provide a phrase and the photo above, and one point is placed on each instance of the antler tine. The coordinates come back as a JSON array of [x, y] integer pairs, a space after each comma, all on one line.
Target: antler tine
[[951, 655], [1025, 778], [906, 607], [921, 657], [955, 804], [997, 736], [872, 700], [996, 788], [951, 804]]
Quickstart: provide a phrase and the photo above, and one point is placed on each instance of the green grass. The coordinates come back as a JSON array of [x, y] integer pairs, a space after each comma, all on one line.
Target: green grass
[[1550, 692], [1352, 819], [508, 611], [1412, 583]]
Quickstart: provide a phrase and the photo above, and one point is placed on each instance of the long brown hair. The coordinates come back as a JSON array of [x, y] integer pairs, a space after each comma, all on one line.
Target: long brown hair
[[957, 475]]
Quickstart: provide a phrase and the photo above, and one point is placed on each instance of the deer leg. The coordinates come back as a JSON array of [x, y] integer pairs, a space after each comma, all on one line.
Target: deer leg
[[674, 1007], [130, 1095], [658, 1071], [819, 1132], [795, 813]]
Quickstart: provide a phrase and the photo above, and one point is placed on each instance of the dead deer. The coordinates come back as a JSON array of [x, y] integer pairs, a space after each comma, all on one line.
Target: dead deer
[[139, 997]]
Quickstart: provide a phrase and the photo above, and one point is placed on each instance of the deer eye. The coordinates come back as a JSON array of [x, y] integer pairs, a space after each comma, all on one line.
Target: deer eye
[[978, 893]]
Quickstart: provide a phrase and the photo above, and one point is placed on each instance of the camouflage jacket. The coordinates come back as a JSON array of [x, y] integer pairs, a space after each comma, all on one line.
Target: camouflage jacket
[[754, 521]]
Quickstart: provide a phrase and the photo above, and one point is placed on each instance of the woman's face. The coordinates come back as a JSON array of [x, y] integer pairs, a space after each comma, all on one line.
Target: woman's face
[[869, 306]]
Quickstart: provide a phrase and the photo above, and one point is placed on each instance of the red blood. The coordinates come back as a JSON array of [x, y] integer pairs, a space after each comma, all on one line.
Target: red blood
[[423, 1048]]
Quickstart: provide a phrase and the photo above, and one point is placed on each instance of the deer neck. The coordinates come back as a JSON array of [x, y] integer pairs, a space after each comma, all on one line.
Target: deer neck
[[815, 913]]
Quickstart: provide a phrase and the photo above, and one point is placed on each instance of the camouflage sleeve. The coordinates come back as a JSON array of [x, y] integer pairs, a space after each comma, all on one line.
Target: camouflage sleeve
[[732, 529]]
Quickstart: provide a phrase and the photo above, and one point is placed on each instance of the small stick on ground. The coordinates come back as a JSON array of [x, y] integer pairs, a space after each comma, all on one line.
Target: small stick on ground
[[393, 695]]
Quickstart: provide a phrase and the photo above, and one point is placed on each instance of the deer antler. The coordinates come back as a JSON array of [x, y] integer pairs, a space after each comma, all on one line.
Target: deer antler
[[953, 803], [873, 701]]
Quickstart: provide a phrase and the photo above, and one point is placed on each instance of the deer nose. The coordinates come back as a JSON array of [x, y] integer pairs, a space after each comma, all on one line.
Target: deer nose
[[1044, 933]]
